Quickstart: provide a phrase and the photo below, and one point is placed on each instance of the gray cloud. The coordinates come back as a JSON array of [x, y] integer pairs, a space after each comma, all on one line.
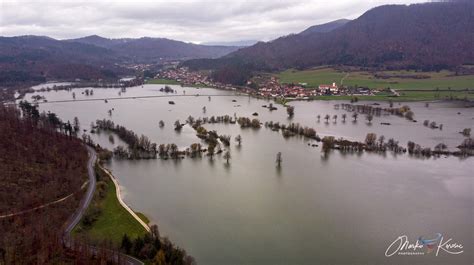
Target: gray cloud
[[193, 21]]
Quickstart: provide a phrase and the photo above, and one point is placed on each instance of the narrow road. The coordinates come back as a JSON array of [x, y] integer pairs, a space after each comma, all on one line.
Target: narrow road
[[43, 205], [135, 97], [344, 78], [85, 202], [76, 217]]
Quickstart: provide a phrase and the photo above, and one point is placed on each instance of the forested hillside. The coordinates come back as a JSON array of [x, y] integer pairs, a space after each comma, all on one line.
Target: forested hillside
[[38, 165]]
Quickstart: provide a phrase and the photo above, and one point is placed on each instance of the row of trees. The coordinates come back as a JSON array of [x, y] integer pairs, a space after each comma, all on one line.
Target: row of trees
[[48, 120], [432, 125], [403, 111], [293, 129], [138, 146], [245, 122]]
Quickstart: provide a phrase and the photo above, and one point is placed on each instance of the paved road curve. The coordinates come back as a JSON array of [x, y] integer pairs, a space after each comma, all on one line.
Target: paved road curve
[[85, 202], [76, 217]]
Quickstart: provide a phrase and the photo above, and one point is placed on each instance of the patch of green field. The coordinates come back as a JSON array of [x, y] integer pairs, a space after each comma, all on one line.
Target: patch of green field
[[408, 96], [162, 81], [143, 217], [438, 80], [313, 78], [113, 221], [434, 95]]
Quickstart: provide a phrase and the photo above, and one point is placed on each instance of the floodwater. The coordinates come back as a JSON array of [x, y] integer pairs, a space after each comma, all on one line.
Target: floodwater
[[315, 209]]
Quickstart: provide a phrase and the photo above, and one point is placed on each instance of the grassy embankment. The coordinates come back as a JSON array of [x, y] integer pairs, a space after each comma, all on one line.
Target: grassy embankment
[[439, 85], [162, 81], [105, 218], [172, 82]]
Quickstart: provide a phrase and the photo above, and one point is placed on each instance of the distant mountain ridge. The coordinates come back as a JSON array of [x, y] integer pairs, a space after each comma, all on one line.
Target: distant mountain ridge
[[148, 49], [428, 36], [99, 41], [38, 58]]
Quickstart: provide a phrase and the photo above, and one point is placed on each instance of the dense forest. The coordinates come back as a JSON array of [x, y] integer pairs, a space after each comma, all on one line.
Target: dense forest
[[38, 165], [427, 37]]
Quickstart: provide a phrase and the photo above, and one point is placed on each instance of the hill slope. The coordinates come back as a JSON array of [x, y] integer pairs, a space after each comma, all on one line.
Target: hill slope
[[427, 36], [327, 27], [37, 58]]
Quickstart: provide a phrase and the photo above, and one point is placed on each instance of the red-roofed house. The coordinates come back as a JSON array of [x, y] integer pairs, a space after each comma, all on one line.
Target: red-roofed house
[[333, 88]]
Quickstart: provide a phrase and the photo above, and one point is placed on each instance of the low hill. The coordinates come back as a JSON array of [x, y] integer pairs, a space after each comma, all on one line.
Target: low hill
[[37, 58]]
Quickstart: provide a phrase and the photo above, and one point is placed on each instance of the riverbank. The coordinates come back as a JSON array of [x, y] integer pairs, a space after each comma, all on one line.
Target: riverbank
[[108, 217]]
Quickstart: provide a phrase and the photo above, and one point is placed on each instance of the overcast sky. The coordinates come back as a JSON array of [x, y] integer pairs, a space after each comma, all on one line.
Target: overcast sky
[[192, 21]]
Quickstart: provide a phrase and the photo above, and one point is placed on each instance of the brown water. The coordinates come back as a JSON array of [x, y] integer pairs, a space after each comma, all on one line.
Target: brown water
[[340, 209]]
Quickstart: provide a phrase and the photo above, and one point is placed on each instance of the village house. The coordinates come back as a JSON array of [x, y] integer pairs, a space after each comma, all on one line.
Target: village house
[[334, 89]]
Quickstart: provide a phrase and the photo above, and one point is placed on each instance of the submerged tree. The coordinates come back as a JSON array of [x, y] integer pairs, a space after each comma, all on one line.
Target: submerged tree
[[76, 125], [227, 156], [409, 115], [466, 132], [370, 139], [319, 117], [327, 117], [278, 159], [344, 117], [354, 116], [210, 150], [173, 150], [161, 124], [290, 110], [238, 139], [369, 118], [177, 125]]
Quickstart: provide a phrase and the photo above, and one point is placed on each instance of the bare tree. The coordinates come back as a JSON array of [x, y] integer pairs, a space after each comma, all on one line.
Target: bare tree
[[354, 116], [238, 139], [278, 159], [227, 156], [370, 117], [327, 117]]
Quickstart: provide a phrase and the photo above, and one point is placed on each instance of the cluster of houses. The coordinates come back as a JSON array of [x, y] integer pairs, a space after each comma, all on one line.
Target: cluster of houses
[[273, 88], [183, 76], [269, 87]]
